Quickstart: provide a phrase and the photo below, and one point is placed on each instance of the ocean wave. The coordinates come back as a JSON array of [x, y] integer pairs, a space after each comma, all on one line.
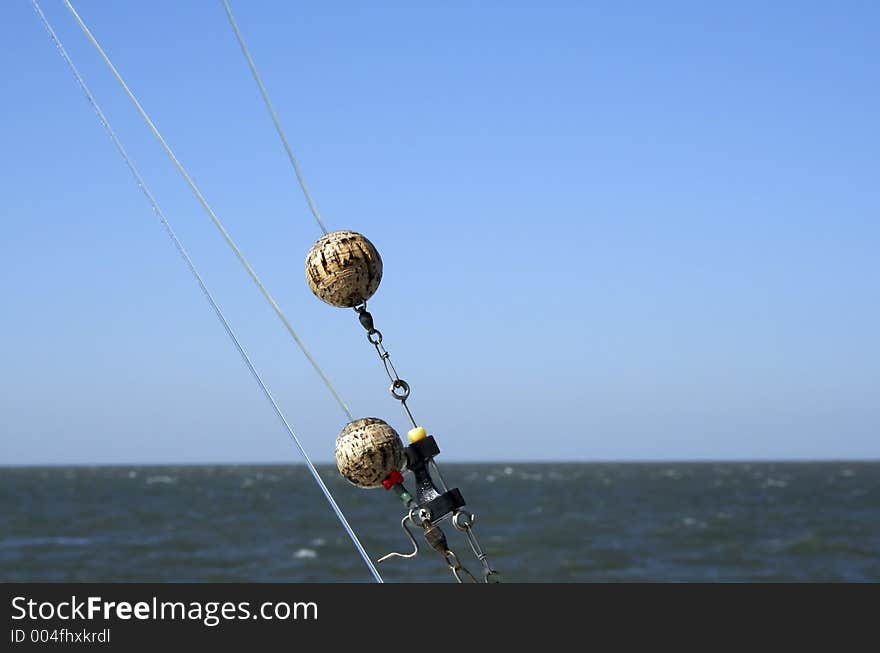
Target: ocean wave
[[16, 542], [166, 480], [813, 544]]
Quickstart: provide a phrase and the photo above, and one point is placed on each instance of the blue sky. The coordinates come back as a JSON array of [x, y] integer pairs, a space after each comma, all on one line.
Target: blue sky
[[611, 230]]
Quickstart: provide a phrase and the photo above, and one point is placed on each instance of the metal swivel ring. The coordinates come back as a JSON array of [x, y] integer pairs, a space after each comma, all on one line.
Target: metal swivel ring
[[403, 386], [463, 520], [374, 336]]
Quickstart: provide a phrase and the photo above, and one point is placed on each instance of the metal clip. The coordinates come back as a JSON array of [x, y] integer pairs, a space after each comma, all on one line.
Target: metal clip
[[464, 522], [455, 567]]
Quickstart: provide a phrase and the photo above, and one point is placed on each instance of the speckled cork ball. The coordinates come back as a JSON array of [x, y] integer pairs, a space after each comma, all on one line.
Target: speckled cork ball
[[367, 451], [343, 269]]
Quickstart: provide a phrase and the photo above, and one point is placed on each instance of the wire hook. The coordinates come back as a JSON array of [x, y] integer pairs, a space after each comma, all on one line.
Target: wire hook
[[412, 539]]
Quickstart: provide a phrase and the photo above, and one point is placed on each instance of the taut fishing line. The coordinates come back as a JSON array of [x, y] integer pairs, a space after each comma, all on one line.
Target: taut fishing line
[[210, 211], [203, 287]]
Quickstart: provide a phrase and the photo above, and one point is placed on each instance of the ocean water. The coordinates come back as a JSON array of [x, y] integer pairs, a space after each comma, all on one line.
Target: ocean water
[[538, 522]]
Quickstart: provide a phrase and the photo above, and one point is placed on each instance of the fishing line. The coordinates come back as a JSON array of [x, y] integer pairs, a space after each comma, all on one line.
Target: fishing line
[[275, 120], [204, 202], [192, 268]]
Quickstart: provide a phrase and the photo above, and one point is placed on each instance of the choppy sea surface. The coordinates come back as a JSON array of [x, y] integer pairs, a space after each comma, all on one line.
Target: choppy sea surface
[[538, 522]]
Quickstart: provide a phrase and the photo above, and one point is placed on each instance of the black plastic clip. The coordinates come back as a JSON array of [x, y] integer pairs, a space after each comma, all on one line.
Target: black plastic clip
[[428, 496]]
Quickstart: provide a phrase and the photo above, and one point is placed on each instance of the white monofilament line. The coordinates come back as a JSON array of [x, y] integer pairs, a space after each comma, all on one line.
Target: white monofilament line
[[192, 268], [275, 120], [204, 202]]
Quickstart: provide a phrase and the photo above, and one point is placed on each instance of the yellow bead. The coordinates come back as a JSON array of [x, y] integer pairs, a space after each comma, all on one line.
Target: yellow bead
[[416, 434]]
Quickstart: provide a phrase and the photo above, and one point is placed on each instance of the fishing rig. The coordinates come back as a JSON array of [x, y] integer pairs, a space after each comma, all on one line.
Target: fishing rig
[[343, 269]]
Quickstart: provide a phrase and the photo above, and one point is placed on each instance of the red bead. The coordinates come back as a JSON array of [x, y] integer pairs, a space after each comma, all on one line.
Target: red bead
[[393, 479]]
